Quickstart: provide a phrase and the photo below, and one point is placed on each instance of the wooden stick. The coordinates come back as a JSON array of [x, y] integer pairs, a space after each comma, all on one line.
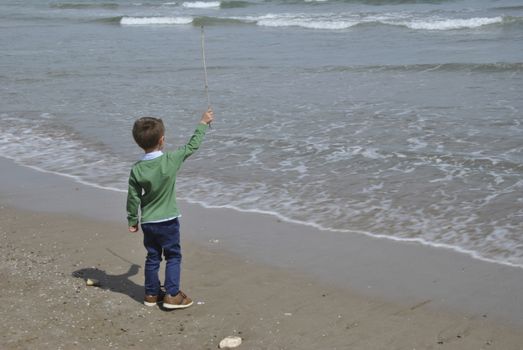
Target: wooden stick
[[205, 70]]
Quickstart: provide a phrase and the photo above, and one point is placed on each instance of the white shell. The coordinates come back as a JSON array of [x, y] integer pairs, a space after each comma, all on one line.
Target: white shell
[[230, 342]]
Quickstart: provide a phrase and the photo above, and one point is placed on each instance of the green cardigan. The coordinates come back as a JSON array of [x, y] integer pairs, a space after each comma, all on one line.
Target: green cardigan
[[152, 183]]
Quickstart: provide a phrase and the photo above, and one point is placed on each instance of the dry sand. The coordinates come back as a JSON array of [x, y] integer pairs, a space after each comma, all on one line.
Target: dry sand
[[276, 285]]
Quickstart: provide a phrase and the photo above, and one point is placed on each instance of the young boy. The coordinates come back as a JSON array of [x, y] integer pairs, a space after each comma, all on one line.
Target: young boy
[[152, 188]]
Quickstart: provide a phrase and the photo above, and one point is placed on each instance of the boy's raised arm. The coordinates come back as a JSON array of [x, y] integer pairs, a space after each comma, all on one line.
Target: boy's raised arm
[[197, 137]]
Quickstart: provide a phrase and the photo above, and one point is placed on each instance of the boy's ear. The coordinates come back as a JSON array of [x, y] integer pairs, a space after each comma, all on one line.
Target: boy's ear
[[162, 141]]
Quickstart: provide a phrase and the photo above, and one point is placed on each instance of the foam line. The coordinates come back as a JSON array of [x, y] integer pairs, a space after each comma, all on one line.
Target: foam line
[[470, 253], [201, 4], [155, 20]]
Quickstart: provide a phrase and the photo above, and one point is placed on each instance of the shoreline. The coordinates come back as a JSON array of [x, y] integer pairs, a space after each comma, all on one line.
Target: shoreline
[[398, 272], [470, 253]]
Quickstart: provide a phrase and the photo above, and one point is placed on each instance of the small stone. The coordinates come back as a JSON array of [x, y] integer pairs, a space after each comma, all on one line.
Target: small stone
[[91, 282], [230, 342]]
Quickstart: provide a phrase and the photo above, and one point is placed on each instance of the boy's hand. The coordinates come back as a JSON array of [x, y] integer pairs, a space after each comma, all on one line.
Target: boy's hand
[[133, 228], [207, 117]]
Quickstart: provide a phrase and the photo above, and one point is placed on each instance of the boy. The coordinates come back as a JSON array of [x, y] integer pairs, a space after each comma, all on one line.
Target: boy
[[152, 188]]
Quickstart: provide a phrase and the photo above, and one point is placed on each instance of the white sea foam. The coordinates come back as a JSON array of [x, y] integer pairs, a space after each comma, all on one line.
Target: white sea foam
[[201, 4], [450, 24], [155, 20], [372, 188], [372, 153], [416, 144], [34, 143], [431, 23], [334, 25], [304, 21], [339, 21]]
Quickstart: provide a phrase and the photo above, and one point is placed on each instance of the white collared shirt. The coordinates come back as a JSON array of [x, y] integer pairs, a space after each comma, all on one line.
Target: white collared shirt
[[152, 155]]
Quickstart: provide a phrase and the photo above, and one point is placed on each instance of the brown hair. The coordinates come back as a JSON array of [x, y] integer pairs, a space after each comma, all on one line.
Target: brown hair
[[147, 132]]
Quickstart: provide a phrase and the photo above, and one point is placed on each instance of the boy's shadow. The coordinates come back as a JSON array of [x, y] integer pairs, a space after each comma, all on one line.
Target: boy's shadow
[[114, 283]]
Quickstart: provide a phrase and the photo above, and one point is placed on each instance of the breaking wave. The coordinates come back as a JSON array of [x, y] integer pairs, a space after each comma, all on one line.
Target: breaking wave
[[155, 20], [336, 22], [216, 4], [320, 21], [201, 4], [450, 24]]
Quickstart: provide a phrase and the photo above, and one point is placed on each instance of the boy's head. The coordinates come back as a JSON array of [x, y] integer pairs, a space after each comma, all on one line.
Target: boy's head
[[148, 132]]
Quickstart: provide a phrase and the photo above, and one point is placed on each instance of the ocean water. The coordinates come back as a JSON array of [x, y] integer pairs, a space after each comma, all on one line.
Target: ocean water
[[396, 119]]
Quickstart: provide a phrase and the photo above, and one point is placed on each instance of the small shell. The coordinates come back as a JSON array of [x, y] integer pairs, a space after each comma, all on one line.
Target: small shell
[[92, 282], [230, 342]]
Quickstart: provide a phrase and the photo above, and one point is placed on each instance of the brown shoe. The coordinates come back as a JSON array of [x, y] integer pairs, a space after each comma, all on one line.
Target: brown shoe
[[152, 300], [179, 301]]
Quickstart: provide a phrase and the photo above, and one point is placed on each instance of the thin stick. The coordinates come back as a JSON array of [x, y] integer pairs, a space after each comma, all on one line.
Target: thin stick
[[205, 70]]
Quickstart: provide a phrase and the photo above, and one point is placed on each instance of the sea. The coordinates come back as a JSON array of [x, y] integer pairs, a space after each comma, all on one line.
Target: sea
[[397, 119]]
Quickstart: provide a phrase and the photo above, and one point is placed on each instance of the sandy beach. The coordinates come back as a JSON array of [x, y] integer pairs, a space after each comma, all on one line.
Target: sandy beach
[[269, 290]]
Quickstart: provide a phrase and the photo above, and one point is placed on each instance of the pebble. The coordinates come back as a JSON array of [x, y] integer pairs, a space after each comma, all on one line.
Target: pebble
[[92, 282], [230, 342]]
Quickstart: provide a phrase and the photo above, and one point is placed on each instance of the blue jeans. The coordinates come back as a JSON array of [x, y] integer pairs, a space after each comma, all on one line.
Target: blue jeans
[[163, 237]]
